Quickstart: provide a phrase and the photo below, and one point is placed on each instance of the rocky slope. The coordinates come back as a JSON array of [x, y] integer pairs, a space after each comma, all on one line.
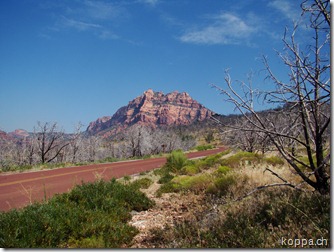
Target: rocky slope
[[152, 109]]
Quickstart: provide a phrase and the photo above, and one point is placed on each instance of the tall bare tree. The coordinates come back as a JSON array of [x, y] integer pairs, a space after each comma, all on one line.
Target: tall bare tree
[[50, 141], [303, 118]]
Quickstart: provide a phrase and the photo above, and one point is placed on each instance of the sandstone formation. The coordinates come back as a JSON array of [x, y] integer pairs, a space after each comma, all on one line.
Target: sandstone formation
[[19, 133], [152, 109], [15, 135]]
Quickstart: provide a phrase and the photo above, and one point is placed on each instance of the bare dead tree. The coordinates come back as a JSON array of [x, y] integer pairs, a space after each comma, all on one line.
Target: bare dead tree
[[92, 144], [75, 142], [50, 141], [302, 119]]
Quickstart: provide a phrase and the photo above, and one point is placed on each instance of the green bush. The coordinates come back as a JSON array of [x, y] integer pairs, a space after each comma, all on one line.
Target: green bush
[[221, 185], [165, 178], [175, 161], [242, 158], [168, 187], [204, 147], [92, 214], [195, 184], [209, 161], [190, 169], [143, 183], [192, 183], [223, 170]]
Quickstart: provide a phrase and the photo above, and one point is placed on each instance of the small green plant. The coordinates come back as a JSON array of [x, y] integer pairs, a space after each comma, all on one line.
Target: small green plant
[[222, 184], [223, 170], [165, 178], [190, 169], [168, 187], [143, 183], [175, 161], [127, 178], [193, 183]]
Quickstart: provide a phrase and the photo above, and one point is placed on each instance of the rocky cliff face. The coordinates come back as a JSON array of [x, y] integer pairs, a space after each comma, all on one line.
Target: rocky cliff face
[[152, 109]]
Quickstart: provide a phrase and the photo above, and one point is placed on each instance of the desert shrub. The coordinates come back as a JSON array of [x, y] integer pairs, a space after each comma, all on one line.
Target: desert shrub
[[223, 170], [190, 169], [242, 158], [192, 183], [213, 159], [158, 172], [165, 178], [143, 183], [222, 184], [92, 214], [168, 187], [186, 183], [175, 161], [209, 161], [204, 147]]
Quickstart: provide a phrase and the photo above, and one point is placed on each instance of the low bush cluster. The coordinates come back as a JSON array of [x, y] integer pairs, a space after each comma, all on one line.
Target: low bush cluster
[[242, 158], [142, 183], [92, 215], [192, 178]]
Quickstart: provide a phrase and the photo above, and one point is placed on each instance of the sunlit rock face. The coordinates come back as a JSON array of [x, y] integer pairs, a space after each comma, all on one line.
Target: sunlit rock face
[[152, 109]]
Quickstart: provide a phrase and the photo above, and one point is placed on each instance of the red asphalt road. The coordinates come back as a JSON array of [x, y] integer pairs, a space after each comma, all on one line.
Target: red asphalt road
[[21, 189]]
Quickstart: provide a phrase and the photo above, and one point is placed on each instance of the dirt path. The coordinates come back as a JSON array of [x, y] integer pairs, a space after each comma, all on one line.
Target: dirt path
[[168, 209], [19, 190]]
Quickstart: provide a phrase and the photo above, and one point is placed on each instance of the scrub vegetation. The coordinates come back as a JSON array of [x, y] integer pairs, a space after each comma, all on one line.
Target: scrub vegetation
[[241, 205], [92, 215]]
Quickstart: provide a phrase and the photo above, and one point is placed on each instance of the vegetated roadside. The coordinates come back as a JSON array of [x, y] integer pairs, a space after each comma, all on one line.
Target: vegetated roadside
[[205, 204], [185, 204]]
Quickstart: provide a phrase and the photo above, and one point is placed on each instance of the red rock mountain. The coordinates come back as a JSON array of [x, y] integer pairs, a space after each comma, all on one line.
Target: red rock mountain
[[15, 135], [19, 133], [152, 109]]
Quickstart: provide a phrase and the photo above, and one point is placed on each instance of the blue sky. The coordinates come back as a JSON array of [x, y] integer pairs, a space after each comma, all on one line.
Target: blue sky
[[68, 61]]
